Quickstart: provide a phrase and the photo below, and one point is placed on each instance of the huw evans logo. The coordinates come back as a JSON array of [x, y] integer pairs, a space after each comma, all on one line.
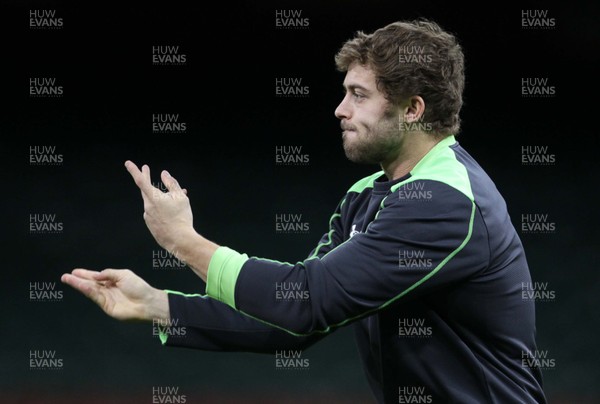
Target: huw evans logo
[[537, 291], [44, 19], [159, 189], [45, 87], [537, 360], [291, 291], [168, 327], [290, 87], [413, 395], [288, 223], [291, 19], [44, 223], [168, 123], [537, 19], [413, 328], [168, 55], [413, 126], [414, 54], [537, 223], [44, 292], [414, 259], [45, 360], [44, 156], [415, 191], [163, 259], [532, 87], [537, 156], [291, 156], [290, 360], [167, 394]]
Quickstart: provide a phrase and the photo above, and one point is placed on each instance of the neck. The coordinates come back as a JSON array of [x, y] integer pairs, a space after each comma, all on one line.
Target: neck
[[413, 148]]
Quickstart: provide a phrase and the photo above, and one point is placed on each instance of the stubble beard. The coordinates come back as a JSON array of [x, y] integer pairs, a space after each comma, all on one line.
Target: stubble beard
[[376, 144]]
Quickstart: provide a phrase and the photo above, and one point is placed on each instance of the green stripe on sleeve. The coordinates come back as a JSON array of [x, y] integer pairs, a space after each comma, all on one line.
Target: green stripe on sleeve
[[175, 292], [329, 234], [223, 271], [162, 335]]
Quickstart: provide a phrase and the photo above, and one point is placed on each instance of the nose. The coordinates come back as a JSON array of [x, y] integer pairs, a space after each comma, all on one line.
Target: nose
[[343, 111]]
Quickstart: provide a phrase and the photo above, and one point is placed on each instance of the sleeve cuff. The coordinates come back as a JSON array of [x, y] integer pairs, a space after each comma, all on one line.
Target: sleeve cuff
[[223, 271], [161, 330]]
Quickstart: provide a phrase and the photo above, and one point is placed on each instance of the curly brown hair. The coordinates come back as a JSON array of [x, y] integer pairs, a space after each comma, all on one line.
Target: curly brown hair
[[413, 58]]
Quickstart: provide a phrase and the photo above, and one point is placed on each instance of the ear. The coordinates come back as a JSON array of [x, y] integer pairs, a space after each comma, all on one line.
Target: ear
[[413, 109]]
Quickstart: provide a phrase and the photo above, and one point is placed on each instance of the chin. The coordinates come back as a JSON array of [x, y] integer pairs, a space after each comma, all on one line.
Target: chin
[[353, 154]]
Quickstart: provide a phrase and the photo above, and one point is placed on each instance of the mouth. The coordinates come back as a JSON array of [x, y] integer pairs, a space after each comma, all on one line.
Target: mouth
[[346, 129]]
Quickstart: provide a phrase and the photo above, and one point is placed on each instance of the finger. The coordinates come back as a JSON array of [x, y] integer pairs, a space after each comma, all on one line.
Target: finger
[[141, 178], [170, 182], [136, 174], [84, 273], [152, 192], [73, 280], [112, 275], [88, 287], [132, 169], [146, 173]]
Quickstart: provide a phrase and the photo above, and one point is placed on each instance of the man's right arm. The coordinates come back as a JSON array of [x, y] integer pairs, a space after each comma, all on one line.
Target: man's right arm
[[194, 321], [200, 322]]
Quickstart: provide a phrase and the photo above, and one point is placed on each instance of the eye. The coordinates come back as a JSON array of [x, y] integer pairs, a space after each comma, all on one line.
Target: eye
[[358, 96]]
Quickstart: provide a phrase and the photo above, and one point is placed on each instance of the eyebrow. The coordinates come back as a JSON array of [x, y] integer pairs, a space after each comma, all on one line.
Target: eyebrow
[[353, 87]]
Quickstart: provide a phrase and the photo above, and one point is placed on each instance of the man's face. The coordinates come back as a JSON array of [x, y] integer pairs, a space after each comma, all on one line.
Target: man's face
[[369, 122]]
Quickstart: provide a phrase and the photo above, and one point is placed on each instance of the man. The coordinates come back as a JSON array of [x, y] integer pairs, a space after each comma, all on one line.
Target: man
[[427, 240]]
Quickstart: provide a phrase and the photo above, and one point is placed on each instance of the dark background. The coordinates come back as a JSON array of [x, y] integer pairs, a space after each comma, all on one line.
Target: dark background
[[226, 160]]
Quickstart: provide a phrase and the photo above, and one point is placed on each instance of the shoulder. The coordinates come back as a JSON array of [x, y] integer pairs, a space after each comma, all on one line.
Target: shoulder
[[441, 165], [364, 183]]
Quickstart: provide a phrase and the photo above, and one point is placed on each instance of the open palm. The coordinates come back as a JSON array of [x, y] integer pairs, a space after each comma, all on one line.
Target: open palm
[[120, 293]]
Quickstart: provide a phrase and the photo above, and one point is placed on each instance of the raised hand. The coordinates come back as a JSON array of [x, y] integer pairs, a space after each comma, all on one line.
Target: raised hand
[[168, 215]]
